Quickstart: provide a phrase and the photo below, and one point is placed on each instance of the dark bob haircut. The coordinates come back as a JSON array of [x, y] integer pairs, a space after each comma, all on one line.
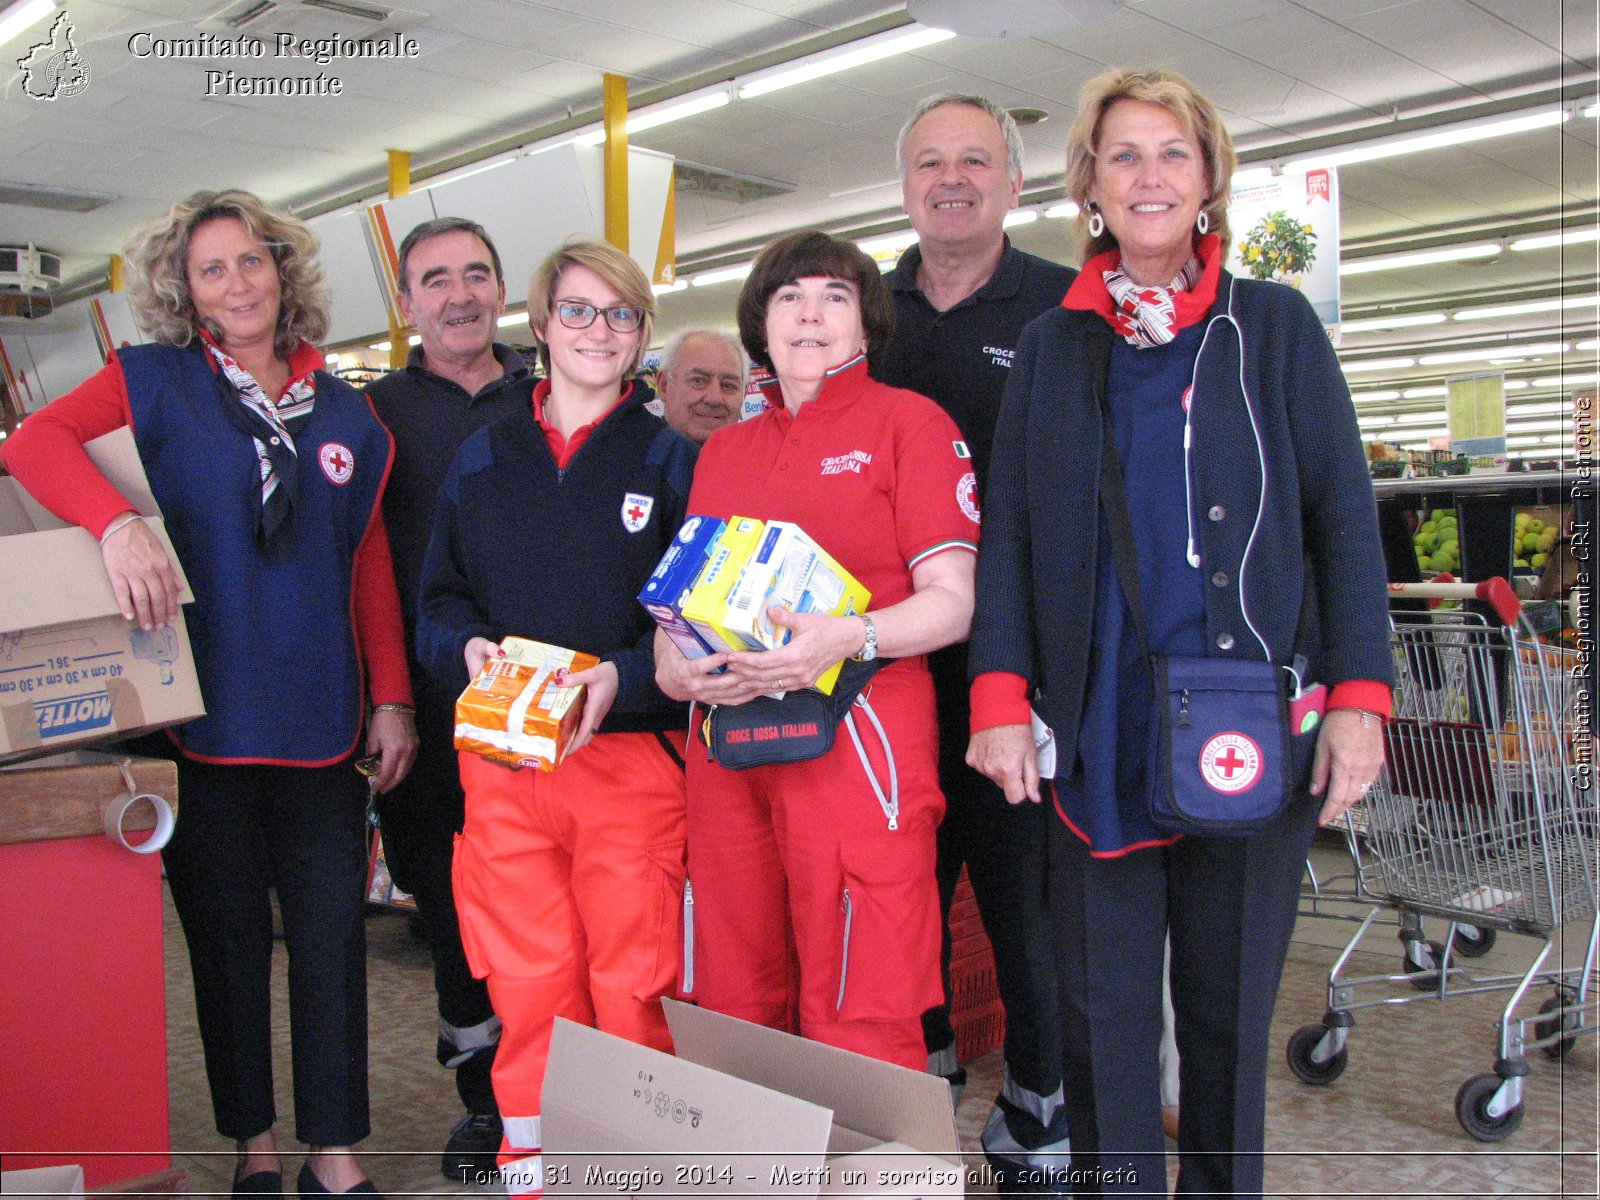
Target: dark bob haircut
[[810, 252]]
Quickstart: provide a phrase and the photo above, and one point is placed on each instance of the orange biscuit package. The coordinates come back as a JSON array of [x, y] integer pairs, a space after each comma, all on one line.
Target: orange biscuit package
[[514, 713]]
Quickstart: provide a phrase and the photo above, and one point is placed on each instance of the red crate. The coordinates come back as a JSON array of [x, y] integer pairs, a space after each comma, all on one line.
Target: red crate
[[979, 1030], [975, 1010]]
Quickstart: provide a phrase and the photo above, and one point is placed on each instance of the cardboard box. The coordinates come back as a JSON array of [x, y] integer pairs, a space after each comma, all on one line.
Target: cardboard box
[[72, 671], [514, 713], [741, 1110], [674, 578], [707, 603], [789, 570]]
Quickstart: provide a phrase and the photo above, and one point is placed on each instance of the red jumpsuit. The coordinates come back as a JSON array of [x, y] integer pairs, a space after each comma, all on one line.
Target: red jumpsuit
[[812, 910]]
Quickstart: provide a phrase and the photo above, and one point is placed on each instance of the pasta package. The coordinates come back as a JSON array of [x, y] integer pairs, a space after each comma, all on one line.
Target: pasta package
[[514, 712]]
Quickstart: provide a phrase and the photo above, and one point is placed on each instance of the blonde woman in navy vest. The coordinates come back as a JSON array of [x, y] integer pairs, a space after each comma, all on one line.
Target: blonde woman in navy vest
[[268, 471]]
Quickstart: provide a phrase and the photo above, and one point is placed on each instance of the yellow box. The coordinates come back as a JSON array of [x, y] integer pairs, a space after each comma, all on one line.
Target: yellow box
[[706, 606], [790, 571], [514, 713]]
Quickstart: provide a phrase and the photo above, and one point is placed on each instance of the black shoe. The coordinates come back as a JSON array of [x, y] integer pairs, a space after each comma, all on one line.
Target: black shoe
[[472, 1155], [310, 1186], [259, 1183]]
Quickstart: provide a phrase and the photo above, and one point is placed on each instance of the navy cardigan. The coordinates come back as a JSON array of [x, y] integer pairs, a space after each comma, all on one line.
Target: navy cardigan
[[1281, 504]]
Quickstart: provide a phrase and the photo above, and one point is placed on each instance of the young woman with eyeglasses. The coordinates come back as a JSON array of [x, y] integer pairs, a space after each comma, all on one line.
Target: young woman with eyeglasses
[[568, 882]]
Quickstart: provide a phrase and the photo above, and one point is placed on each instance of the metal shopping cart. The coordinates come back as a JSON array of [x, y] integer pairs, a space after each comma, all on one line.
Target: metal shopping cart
[[1483, 818]]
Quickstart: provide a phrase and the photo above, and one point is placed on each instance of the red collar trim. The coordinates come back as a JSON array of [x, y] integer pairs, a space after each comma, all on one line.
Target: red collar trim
[[303, 359], [842, 388], [541, 393], [1088, 291]]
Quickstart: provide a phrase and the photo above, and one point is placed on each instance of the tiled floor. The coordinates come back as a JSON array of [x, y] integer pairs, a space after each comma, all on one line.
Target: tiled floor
[[1386, 1127]]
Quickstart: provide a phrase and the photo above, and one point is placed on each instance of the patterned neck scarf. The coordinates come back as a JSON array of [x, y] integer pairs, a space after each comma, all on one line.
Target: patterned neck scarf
[[248, 409], [1147, 316]]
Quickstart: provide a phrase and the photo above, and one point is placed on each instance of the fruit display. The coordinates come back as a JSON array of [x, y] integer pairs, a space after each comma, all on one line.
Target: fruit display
[[1438, 545], [1436, 541], [1531, 542]]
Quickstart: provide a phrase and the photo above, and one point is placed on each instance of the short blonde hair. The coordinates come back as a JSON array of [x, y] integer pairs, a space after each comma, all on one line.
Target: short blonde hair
[[156, 254], [1197, 115], [620, 273]]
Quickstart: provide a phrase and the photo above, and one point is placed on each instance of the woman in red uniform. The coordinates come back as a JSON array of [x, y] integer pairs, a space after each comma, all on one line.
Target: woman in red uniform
[[814, 903]]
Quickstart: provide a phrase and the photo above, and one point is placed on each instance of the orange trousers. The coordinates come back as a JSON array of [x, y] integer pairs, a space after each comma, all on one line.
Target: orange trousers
[[569, 886]]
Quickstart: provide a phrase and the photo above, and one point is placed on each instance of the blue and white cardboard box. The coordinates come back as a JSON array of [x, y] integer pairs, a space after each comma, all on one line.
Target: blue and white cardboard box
[[72, 671], [674, 578]]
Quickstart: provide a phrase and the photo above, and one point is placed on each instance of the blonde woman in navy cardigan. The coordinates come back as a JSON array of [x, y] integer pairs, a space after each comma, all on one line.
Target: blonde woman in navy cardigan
[[1256, 538]]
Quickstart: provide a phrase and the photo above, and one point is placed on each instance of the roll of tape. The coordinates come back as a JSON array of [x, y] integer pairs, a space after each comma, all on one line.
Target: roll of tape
[[117, 813]]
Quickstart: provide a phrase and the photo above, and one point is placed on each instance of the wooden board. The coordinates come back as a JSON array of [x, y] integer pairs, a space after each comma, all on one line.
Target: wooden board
[[65, 795]]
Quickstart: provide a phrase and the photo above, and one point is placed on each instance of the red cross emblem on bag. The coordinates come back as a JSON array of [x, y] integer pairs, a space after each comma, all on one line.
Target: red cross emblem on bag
[[1230, 763]]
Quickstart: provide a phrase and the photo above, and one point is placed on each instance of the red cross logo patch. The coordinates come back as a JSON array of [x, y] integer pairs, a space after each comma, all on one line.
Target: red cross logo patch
[[1230, 763], [636, 511], [338, 464]]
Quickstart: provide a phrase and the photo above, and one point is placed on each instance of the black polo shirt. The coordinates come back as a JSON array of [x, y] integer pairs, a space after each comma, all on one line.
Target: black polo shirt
[[430, 417], [962, 358]]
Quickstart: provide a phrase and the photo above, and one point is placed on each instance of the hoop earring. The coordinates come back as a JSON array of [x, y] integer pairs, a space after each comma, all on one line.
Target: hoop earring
[[1097, 222], [1202, 223]]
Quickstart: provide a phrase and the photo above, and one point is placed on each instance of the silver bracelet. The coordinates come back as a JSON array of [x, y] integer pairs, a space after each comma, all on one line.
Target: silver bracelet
[[122, 524]]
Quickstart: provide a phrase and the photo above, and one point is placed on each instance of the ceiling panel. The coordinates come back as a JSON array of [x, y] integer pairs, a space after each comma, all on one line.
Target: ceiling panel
[[1280, 70]]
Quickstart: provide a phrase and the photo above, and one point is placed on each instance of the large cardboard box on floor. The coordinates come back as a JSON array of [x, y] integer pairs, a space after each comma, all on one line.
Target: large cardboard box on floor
[[741, 1111], [72, 671]]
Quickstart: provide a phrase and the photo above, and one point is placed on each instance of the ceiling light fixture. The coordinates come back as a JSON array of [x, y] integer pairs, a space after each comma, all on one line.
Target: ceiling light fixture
[[510, 319], [1567, 237], [1409, 321], [1418, 418], [1057, 211], [1494, 312], [1374, 397], [21, 16], [1566, 380], [1423, 393], [666, 289], [1489, 353], [830, 62], [1378, 364], [1433, 139], [661, 114], [721, 275], [1418, 258], [1020, 216]]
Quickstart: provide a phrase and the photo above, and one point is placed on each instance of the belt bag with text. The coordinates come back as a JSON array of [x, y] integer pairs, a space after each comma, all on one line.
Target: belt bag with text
[[1219, 759], [797, 728]]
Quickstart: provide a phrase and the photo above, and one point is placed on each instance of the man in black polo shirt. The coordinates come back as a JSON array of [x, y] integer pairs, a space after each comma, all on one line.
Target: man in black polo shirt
[[962, 295], [458, 380]]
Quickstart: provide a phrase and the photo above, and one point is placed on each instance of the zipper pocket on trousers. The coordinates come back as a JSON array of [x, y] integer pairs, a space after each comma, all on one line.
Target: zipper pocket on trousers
[[844, 957], [688, 937]]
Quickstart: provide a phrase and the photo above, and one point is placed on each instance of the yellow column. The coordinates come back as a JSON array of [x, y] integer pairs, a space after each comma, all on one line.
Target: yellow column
[[114, 273], [399, 185], [667, 248], [616, 161]]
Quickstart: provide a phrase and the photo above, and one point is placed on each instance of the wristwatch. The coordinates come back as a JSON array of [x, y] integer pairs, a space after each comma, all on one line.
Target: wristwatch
[[869, 648]]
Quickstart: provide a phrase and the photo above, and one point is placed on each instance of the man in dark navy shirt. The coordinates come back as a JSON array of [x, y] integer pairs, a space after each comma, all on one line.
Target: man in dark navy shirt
[[458, 380], [962, 295]]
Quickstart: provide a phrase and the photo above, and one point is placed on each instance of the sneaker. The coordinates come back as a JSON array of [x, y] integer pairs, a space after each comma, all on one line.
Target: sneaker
[[472, 1154]]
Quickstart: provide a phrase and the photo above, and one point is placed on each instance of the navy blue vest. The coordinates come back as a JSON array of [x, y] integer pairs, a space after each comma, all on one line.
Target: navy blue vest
[[272, 630]]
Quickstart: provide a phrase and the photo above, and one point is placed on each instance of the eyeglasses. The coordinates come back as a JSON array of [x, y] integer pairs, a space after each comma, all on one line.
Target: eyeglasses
[[623, 318]]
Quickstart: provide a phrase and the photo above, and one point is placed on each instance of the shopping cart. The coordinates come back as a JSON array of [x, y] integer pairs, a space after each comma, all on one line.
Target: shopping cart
[[1482, 818]]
